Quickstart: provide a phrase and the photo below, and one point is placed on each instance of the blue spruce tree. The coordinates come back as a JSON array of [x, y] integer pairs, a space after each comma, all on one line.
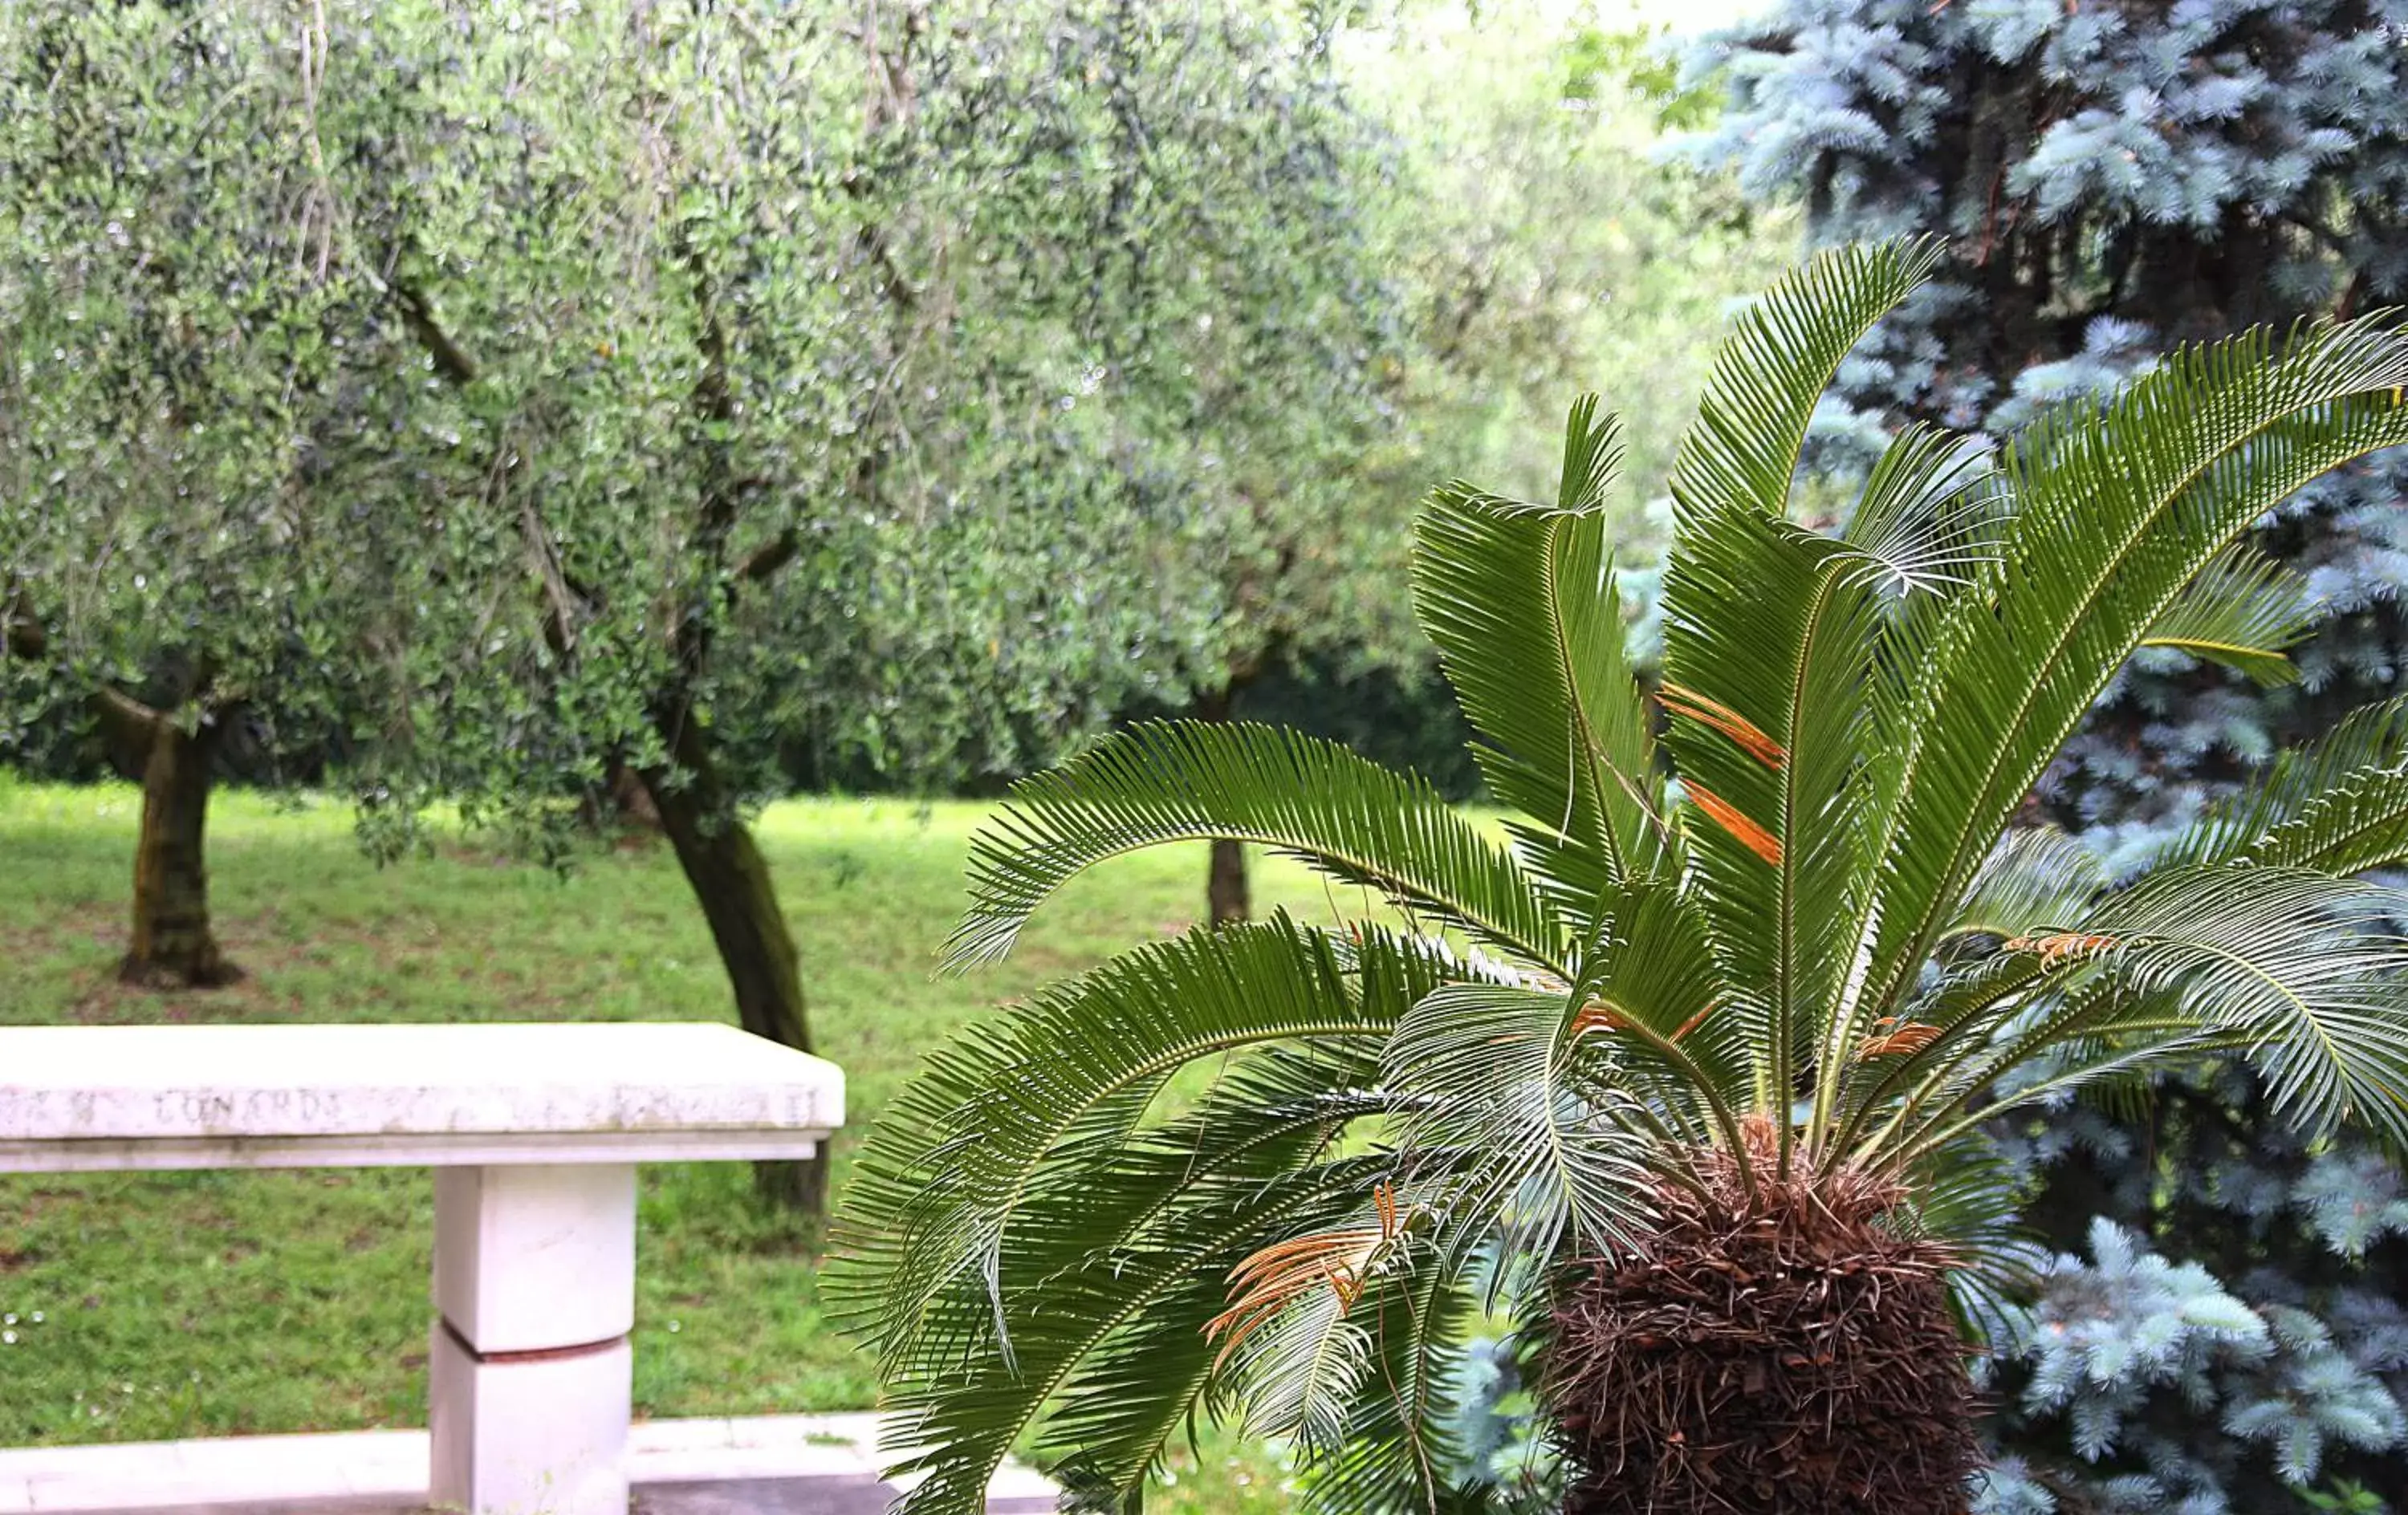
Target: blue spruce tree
[[2220, 1331]]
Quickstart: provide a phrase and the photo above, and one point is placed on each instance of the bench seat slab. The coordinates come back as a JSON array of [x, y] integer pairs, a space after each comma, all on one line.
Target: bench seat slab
[[88, 1098]]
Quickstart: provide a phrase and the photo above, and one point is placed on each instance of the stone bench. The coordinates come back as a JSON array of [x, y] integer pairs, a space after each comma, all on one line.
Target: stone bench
[[533, 1132]]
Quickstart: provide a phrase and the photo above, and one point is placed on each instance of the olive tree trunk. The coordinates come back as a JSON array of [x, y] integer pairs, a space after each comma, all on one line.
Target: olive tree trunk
[[731, 881], [172, 946], [1227, 896]]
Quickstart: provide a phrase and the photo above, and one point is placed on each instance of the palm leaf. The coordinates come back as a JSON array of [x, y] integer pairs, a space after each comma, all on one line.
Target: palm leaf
[[1272, 1115], [940, 1183], [1302, 1371], [2307, 968], [2301, 972], [2102, 1065], [1963, 1010], [2036, 880], [1770, 639], [1105, 1320], [1502, 1070], [1654, 994], [1299, 795], [1741, 452], [1930, 517], [1298, 1354], [2116, 511], [1392, 1458], [1967, 1194], [2244, 611], [2339, 806], [1520, 601]]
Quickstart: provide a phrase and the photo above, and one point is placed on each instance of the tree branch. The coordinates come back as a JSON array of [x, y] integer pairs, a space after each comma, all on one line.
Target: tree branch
[[770, 556], [24, 637], [714, 405], [454, 365]]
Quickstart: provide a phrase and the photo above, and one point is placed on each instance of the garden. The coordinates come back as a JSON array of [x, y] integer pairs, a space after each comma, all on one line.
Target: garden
[[1517, 758]]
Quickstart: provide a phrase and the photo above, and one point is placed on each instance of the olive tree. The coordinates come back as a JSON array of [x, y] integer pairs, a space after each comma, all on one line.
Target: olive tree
[[884, 377], [1202, 246], [188, 361]]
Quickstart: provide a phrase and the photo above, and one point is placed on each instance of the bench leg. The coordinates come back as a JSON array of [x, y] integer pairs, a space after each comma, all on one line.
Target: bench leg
[[529, 1377]]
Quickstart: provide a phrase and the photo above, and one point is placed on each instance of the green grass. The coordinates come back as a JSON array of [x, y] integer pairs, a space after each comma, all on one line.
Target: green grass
[[218, 1303]]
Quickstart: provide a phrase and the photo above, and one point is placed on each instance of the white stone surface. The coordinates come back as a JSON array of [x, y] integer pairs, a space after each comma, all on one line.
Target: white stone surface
[[545, 1437], [37, 1480], [231, 1470], [527, 1258], [77, 1098], [534, 1130], [531, 1261]]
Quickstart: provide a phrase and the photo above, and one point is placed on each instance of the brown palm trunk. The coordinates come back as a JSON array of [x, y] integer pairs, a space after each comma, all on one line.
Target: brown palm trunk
[[731, 879], [1774, 1347], [173, 947], [1228, 897]]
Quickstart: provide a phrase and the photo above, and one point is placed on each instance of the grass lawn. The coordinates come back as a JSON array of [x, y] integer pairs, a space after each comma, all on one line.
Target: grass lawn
[[200, 1304]]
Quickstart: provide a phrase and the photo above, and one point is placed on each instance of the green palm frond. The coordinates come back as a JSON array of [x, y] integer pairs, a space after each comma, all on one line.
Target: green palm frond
[[1658, 999], [1299, 795], [2309, 969], [1301, 1372], [1520, 601], [2301, 972], [2339, 806], [1966, 1194], [1741, 452], [1106, 1321], [2116, 512], [1392, 1457], [1271, 1116], [1771, 635], [1130, 1209], [2037, 879], [944, 1176], [1504, 1071], [1882, 1085], [2244, 610], [1929, 518], [2100, 1064]]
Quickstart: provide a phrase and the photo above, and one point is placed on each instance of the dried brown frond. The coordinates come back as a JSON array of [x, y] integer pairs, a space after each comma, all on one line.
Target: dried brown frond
[[1763, 843], [1270, 1279], [1710, 713], [1596, 1015], [2063, 947], [1891, 1035], [1694, 1022]]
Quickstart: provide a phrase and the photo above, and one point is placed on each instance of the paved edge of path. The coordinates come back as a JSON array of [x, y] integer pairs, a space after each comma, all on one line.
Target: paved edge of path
[[762, 1464]]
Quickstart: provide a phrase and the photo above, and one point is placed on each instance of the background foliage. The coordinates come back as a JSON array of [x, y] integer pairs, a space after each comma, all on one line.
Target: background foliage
[[1083, 355], [193, 382]]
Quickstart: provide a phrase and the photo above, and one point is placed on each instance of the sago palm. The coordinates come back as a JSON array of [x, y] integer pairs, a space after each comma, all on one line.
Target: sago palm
[[1689, 1064]]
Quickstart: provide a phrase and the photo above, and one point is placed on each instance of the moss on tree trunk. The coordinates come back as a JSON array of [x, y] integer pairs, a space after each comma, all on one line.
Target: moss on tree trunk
[[172, 945]]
